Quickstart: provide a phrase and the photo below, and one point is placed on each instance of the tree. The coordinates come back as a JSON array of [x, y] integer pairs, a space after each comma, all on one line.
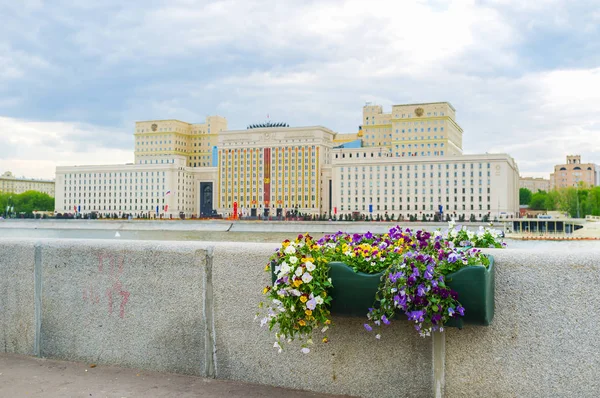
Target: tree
[[524, 196], [538, 201], [27, 202]]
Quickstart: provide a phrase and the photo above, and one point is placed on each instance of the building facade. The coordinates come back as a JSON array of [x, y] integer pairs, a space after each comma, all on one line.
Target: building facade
[[270, 170], [413, 130], [174, 173], [534, 184], [408, 162], [12, 184], [574, 173], [373, 181], [160, 141]]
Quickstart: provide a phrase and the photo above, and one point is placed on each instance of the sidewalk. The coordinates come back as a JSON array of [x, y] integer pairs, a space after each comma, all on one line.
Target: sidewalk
[[22, 376]]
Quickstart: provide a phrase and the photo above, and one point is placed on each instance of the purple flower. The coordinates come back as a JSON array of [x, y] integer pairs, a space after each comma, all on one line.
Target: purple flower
[[416, 316], [421, 290], [452, 257], [400, 301], [416, 272], [385, 320], [368, 327], [460, 310], [311, 304], [429, 272], [436, 318], [451, 311], [368, 235]]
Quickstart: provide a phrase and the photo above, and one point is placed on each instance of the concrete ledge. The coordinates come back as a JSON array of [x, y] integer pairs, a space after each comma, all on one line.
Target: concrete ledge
[[17, 309], [188, 307], [544, 340]]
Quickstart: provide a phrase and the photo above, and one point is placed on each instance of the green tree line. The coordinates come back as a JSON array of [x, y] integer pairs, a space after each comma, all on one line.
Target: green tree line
[[577, 202], [25, 202]]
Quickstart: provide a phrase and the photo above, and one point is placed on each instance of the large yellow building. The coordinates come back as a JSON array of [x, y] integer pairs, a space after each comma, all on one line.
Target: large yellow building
[[160, 141], [268, 170], [411, 130], [408, 161], [12, 184]]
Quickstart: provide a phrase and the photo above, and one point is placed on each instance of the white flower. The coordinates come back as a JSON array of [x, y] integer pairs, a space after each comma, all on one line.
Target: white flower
[[319, 300], [299, 271], [295, 292], [290, 250], [276, 345], [329, 280], [347, 253], [377, 336], [293, 308], [324, 329], [293, 259], [310, 266], [277, 302], [454, 233], [305, 350], [285, 268], [306, 277], [263, 321], [437, 233]]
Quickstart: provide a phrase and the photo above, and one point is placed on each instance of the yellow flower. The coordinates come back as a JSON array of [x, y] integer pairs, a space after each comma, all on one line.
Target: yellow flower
[[267, 267], [325, 340], [265, 290], [297, 282], [301, 322], [303, 299], [308, 312], [328, 322]]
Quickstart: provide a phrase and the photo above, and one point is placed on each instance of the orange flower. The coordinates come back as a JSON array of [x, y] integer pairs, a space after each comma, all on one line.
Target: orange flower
[[301, 322], [297, 282]]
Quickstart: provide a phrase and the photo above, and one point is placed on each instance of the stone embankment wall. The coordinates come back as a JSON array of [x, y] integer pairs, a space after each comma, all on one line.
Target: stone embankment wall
[[189, 308]]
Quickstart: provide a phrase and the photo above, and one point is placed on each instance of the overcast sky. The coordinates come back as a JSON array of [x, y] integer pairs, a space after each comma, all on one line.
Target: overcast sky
[[75, 75]]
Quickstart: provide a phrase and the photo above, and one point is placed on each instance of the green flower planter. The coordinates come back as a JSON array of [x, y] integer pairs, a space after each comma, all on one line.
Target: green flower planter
[[353, 293], [475, 286]]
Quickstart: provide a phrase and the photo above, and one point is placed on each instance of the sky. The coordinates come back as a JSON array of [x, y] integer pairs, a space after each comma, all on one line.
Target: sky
[[75, 75]]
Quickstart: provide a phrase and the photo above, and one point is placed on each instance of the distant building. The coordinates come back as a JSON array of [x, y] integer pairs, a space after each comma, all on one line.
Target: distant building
[[12, 184], [534, 184], [574, 173], [371, 180]]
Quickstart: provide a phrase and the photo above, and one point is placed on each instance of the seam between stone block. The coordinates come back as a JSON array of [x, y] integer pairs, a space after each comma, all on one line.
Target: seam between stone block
[[439, 363], [37, 297], [210, 344]]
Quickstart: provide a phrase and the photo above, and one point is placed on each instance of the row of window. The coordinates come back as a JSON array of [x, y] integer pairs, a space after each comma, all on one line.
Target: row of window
[[408, 207]]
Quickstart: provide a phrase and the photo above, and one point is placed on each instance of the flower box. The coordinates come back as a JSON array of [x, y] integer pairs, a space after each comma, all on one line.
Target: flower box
[[353, 293], [475, 286]]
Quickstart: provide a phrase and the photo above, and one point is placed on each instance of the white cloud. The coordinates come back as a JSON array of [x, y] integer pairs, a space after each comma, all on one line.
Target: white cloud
[[317, 62], [34, 149]]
